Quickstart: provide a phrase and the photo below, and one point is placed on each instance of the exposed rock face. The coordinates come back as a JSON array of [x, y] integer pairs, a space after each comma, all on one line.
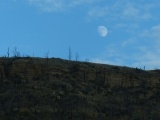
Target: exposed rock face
[[44, 89], [30, 69]]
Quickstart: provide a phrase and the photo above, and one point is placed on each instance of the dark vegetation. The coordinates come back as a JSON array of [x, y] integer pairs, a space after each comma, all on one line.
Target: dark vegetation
[[56, 89]]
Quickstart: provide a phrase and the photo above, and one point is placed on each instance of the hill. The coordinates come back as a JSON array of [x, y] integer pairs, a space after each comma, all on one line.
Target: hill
[[57, 89]]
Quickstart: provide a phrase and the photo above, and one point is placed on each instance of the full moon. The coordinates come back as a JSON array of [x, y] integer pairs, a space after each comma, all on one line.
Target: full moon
[[102, 30]]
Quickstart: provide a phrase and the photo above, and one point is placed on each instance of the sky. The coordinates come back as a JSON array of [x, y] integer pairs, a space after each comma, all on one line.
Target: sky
[[117, 32]]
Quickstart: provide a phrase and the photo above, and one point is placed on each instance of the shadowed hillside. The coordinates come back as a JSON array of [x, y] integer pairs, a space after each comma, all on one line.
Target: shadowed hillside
[[56, 89]]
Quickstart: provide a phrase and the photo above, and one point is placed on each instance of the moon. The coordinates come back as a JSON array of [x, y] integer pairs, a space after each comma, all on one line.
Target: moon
[[102, 30]]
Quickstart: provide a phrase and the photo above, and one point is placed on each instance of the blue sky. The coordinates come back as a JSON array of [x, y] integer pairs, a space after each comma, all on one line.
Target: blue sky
[[37, 27]]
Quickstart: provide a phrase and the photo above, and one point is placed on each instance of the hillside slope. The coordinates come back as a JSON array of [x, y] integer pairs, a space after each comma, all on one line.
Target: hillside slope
[[56, 89]]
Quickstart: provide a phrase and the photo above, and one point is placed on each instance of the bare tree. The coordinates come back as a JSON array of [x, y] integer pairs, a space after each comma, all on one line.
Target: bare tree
[[16, 53], [8, 52], [47, 55], [70, 54], [77, 56], [87, 60], [33, 54]]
